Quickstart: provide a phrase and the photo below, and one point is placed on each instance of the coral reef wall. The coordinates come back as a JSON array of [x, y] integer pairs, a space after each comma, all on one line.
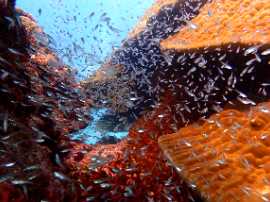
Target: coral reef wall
[[40, 103], [202, 75], [134, 169], [225, 157], [193, 58], [190, 65], [139, 59]]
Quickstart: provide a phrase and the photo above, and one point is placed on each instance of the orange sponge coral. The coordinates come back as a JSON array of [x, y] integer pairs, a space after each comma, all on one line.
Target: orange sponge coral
[[133, 169], [227, 156], [222, 22]]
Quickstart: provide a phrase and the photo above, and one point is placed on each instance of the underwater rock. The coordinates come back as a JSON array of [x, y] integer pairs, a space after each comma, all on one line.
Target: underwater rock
[[225, 157], [103, 85], [40, 104]]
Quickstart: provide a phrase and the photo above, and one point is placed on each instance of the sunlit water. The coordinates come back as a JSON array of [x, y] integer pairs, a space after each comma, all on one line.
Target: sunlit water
[[100, 129], [84, 33]]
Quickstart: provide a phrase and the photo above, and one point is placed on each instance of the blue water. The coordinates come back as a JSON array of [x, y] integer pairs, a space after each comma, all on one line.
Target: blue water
[[92, 133], [84, 33]]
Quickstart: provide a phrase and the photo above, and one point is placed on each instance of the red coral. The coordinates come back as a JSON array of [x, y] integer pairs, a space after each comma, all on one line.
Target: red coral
[[132, 170], [40, 104]]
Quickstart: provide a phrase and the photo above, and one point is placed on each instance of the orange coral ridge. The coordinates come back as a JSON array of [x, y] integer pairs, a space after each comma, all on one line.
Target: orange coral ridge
[[133, 170], [227, 156], [224, 21]]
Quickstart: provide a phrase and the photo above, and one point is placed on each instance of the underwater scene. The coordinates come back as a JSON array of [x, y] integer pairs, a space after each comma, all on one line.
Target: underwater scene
[[135, 101]]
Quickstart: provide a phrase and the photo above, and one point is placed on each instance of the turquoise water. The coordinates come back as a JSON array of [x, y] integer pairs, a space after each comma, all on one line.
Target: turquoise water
[[84, 33], [98, 128]]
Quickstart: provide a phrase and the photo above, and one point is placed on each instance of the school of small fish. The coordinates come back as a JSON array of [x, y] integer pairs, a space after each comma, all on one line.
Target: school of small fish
[[162, 90]]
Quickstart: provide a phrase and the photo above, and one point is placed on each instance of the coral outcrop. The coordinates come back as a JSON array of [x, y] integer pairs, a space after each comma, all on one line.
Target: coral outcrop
[[40, 104], [175, 69], [132, 170], [230, 35], [140, 59], [172, 57], [225, 157], [224, 22]]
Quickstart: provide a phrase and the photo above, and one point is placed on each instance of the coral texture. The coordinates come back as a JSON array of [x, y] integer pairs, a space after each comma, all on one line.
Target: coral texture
[[140, 59], [226, 156], [131, 170], [224, 21], [40, 104]]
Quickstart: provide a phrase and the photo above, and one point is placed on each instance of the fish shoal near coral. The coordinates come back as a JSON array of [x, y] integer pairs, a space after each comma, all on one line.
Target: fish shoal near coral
[[177, 84], [40, 104], [198, 60]]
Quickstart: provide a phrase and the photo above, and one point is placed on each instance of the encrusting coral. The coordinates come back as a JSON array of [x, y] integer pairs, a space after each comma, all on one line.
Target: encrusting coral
[[165, 85], [225, 157], [139, 59], [151, 12], [40, 104], [133, 169], [222, 22]]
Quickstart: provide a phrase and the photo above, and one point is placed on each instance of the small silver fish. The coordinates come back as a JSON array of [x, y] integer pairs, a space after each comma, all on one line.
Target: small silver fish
[[33, 167], [99, 181], [248, 63], [3, 60], [58, 161], [246, 101], [61, 176], [250, 50], [5, 122], [15, 52], [128, 192], [192, 25], [20, 182], [266, 52], [105, 185], [4, 75], [8, 165], [90, 198], [11, 22], [226, 66], [6, 177], [161, 116]]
